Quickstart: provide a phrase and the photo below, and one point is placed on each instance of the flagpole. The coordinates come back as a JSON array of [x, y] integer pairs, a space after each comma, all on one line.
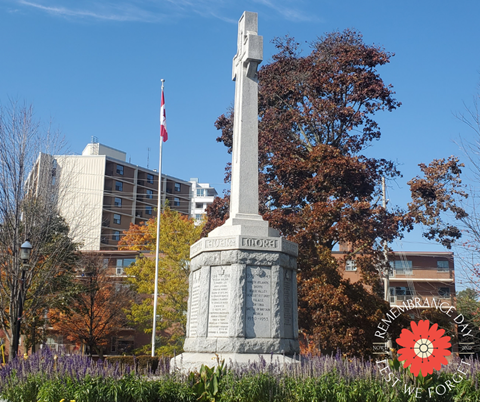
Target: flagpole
[[159, 212]]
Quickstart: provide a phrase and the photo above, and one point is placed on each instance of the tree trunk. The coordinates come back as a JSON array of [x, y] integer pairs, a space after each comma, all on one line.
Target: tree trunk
[[33, 335]]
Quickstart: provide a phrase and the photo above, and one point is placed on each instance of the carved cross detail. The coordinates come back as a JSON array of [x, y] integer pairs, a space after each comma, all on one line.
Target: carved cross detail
[[249, 47], [244, 194]]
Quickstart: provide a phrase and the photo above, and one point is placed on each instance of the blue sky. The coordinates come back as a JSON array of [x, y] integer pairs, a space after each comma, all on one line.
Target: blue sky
[[94, 67]]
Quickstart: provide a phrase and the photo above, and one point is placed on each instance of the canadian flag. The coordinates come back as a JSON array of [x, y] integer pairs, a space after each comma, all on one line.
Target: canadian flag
[[163, 120]]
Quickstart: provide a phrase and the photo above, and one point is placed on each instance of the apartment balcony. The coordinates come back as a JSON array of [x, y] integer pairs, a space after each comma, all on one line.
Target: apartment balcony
[[398, 300]]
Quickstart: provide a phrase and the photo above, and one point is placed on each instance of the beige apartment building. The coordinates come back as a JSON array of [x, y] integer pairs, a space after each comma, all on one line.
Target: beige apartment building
[[99, 193]]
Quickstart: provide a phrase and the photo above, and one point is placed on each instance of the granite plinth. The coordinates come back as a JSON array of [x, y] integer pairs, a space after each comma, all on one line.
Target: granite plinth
[[244, 242], [243, 301], [187, 362]]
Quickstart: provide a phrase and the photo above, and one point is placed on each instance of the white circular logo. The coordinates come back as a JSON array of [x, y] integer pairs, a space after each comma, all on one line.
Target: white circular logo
[[423, 348]]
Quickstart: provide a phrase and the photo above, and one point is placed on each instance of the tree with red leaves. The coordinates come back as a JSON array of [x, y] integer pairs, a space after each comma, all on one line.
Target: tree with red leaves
[[316, 117], [94, 313]]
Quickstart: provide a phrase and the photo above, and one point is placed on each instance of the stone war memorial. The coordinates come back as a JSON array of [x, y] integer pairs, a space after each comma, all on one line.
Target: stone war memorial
[[242, 302]]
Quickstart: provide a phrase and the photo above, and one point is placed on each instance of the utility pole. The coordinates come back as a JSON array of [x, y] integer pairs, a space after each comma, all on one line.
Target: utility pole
[[386, 271]]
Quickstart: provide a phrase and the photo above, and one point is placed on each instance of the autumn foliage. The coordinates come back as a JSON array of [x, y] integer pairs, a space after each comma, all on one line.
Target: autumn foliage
[[177, 234], [318, 187], [95, 311]]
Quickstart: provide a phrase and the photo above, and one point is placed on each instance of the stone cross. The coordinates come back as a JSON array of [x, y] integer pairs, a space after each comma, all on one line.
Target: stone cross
[[242, 302], [244, 187]]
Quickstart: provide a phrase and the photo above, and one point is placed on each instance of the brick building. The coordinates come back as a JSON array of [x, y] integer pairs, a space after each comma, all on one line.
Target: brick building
[[423, 275]]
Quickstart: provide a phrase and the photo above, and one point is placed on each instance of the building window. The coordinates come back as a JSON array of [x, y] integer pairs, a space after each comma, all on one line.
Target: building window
[[401, 293], [351, 265], [150, 194], [118, 186], [444, 292], [178, 187], [150, 178], [118, 202], [116, 235], [125, 262], [105, 263], [402, 267], [176, 202], [199, 205], [148, 210], [198, 216], [55, 342], [117, 219], [200, 192], [54, 171], [442, 265], [120, 169]]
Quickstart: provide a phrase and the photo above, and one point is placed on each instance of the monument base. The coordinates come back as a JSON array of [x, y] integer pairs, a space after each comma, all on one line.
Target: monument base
[[187, 362]]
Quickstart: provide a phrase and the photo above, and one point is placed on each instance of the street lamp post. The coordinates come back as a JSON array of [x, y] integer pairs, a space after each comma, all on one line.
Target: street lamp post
[[25, 250]]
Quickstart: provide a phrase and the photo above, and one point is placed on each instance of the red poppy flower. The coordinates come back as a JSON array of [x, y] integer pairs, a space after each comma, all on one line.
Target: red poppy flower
[[424, 348]]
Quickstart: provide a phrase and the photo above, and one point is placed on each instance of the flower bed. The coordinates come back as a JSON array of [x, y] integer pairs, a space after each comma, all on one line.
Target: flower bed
[[47, 378]]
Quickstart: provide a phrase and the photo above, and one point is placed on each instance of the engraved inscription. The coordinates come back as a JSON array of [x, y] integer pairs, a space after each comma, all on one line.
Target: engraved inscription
[[288, 304], [194, 303], [261, 243], [219, 243], [218, 312], [258, 302]]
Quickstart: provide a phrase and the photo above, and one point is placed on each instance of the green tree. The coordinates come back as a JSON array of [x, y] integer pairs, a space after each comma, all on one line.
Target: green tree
[[469, 306], [177, 234]]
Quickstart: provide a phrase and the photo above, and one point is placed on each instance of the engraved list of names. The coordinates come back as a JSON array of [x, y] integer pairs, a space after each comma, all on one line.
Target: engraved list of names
[[195, 302], [219, 306], [258, 302]]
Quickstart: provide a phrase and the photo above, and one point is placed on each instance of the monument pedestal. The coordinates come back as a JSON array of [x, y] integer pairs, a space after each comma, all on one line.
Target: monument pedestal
[[190, 361], [242, 300]]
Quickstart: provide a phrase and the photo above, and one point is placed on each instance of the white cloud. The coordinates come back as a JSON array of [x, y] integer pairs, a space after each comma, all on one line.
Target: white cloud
[[97, 10], [157, 10], [288, 12]]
